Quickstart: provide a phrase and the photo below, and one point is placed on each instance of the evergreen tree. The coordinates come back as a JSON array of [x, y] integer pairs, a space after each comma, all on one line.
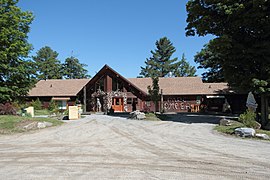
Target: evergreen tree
[[184, 69], [154, 92], [242, 30], [73, 69], [160, 64], [47, 64], [15, 75]]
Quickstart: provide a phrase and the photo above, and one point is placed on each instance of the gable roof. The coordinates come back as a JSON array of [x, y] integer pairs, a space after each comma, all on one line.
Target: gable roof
[[107, 70], [182, 86], [58, 87]]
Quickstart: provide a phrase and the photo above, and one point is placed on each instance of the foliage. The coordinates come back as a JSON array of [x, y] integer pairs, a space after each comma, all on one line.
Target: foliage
[[154, 91], [248, 118], [73, 69], [160, 64], [184, 69], [42, 112], [229, 129], [209, 59], [9, 124], [7, 109], [241, 44], [36, 104], [15, 74], [53, 106], [47, 65]]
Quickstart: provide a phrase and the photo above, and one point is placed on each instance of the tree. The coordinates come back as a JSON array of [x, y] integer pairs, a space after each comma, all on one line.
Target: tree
[[15, 75], [184, 69], [154, 91], [47, 64], [160, 64], [242, 30], [210, 60], [73, 69]]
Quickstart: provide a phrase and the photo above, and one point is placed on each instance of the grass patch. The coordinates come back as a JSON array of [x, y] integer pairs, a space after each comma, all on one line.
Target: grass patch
[[9, 124], [235, 124], [42, 112], [229, 129], [156, 117]]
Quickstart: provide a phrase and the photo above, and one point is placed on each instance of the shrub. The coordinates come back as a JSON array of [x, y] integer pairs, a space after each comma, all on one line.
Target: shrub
[[7, 109], [53, 107], [36, 104], [248, 118]]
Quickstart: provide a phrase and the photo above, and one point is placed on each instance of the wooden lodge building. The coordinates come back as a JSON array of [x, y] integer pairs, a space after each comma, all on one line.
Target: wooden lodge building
[[111, 91]]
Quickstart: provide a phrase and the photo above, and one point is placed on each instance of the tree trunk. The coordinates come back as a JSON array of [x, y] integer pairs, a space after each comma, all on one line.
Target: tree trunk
[[264, 110]]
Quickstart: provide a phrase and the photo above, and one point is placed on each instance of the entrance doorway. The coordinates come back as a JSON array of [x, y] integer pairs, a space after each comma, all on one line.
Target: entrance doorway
[[118, 104]]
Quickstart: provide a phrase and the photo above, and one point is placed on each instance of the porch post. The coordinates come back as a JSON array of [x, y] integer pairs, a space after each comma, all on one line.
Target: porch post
[[84, 99], [161, 101]]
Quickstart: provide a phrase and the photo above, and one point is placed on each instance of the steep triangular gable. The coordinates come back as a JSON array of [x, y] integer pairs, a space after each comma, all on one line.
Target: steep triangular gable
[[106, 70]]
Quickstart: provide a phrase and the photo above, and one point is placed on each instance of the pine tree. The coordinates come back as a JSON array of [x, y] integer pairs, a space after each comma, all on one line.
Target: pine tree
[[154, 91], [160, 64], [15, 72], [47, 64], [73, 69], [184, 69]]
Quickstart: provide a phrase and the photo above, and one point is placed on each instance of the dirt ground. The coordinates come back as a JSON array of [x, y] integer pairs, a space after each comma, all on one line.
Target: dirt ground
[[104, 147]]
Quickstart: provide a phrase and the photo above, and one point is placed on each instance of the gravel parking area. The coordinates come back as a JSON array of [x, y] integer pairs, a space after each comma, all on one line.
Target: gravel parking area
[[104, 147]]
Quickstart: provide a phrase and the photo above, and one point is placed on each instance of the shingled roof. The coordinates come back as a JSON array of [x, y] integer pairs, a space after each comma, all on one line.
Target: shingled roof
[[58, 87], [182, 86]]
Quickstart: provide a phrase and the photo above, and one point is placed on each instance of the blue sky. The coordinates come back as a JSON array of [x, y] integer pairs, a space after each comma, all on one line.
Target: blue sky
[[120, 33]]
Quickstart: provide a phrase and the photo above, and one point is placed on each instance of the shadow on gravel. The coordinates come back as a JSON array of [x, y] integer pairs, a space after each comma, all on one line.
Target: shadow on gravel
[[197, 118], [186, 117]]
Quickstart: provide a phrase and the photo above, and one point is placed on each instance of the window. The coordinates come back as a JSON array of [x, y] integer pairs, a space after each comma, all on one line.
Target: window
[[129, 100]]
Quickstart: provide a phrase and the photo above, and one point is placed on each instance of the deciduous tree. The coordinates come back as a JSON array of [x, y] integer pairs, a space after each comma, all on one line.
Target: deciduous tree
[[242, 31]]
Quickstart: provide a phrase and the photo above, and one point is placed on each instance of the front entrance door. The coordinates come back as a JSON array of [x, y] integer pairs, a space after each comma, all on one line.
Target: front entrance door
[[118, 104]]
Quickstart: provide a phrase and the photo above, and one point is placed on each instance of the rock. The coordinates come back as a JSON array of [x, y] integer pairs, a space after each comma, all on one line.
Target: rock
[[48, 124], [32, 125], [137, 115], [262, 136], [245, 132], [225, 122], [41, 125]]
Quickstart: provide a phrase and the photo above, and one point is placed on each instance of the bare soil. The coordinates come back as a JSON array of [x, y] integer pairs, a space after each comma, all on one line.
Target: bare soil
[[104, 147]]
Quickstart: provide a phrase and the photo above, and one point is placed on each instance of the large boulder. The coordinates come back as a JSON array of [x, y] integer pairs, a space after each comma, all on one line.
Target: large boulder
[[137, 115], [245, 132], [225, 122]]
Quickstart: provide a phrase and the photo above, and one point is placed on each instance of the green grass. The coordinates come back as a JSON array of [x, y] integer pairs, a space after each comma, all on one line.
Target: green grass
[[229, 129], [235, 124], [9, 124], [42, 112]]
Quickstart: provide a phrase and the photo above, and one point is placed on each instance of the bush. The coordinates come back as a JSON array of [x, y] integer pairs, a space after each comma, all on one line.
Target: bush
[[53, 107], [7, 109], [248, 118], [36, 104]]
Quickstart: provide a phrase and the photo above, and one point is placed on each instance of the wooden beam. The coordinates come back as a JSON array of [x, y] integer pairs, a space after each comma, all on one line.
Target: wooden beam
[[84, 99]]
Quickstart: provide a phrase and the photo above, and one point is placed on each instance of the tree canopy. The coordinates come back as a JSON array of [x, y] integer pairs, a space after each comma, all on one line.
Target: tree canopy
[[73, 69], [47, 65], [160, 64], [241, 44], [15, 76]]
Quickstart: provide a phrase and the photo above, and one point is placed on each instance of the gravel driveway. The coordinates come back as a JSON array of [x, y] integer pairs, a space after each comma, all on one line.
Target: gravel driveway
[[104, 147]]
